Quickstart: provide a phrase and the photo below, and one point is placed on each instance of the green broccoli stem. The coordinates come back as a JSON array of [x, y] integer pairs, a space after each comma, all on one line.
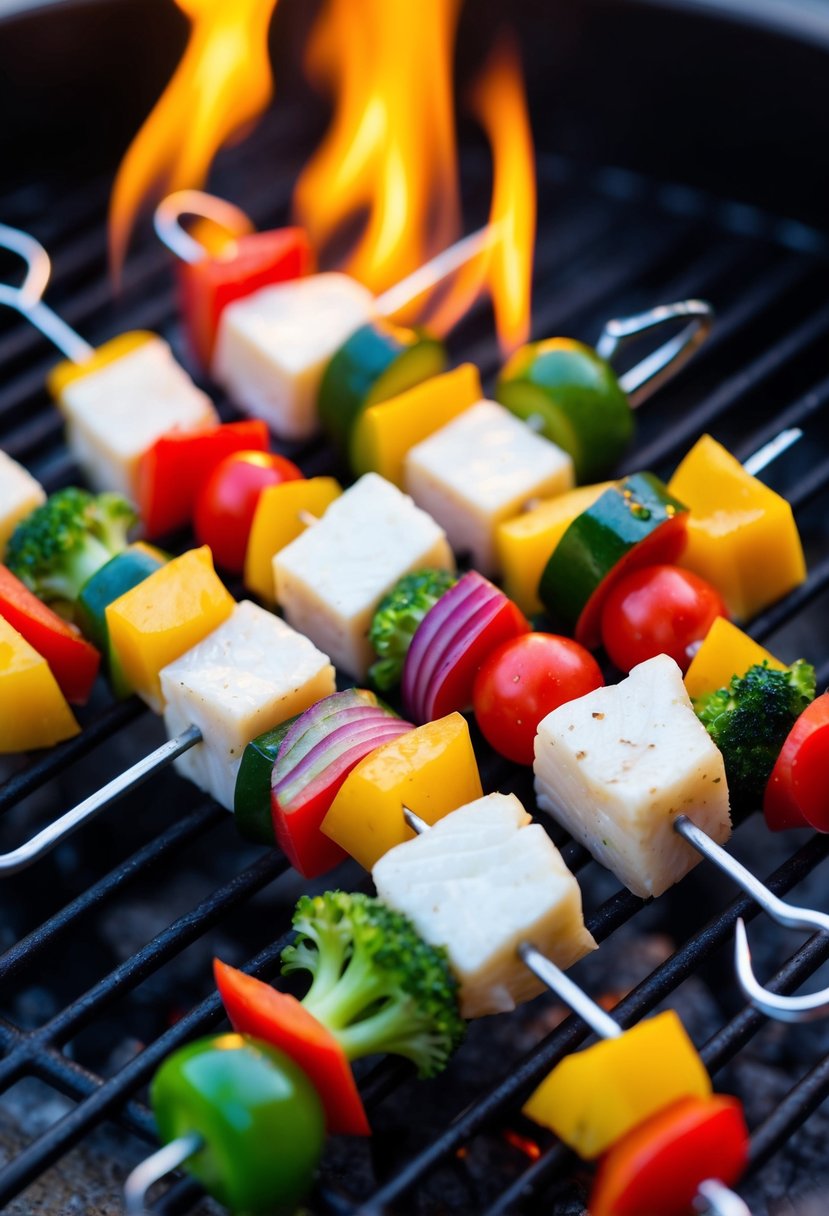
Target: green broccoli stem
[[359, 987], [389, 1030], [83, 564], [325, 961]]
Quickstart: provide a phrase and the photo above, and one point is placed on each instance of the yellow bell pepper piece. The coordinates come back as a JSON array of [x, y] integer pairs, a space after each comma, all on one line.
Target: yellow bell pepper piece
[[160, 618], [33, 710], [525, 544], [279, 520], [431, 769], [593, 1098], [384, 432], [67, 372], [726, 652], [742, 537]]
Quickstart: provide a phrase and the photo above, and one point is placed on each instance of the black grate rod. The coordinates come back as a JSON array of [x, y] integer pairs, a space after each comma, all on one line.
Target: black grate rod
[[177, 836], [777, 615], [54, 762], [789, 1113]]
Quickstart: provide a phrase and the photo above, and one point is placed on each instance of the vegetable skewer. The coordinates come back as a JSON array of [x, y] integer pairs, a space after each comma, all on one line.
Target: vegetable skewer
[[566, 391]]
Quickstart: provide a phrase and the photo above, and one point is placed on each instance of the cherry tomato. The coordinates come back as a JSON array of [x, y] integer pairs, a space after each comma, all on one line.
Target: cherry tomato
[[797, 794], [227, 501], [522, 681], [658, 610]]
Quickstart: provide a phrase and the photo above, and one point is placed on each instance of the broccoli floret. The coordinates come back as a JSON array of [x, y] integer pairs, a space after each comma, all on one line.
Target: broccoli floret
[[749, 721], [377, 986], [57, 548], [397, 617]]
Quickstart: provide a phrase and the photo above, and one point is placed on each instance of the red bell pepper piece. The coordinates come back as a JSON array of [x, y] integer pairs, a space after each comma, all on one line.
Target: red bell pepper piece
[[253, 261], [797, 793], [73, 660], [659, 1166], [173, 470], [256, 1009]]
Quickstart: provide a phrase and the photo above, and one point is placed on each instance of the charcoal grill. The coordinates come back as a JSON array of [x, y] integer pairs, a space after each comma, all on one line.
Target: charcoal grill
[[712, 192]]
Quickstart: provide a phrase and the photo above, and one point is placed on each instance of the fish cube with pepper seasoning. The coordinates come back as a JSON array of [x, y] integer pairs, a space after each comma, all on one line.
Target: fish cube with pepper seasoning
[[245, 677], [617, 766]]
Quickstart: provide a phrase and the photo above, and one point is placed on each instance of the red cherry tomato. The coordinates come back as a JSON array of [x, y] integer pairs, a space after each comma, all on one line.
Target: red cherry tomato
[[522, 681], [227, 501], [797, 794], [658, 610]]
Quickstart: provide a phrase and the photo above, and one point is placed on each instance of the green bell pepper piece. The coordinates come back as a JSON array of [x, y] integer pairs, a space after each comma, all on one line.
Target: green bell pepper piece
[[259, 1116]]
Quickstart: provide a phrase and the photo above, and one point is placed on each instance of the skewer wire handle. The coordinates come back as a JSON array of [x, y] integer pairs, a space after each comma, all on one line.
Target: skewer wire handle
[[152, 1169]]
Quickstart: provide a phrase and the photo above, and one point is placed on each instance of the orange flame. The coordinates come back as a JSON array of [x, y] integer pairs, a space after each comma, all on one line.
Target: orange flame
[[222, 84], [505, 268], [390, 150], [500, 104]]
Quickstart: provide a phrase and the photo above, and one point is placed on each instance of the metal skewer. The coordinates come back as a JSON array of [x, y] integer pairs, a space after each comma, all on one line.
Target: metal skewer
[[713, 1198], [155, 1167], [27, 299]]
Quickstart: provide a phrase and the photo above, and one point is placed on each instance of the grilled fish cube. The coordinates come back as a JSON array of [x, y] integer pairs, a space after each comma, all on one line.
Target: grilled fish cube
[[244, 678], [20, 493], [330, 580], [617, 766], [479, 470], [273, 347], [118, 408], [480, 882]]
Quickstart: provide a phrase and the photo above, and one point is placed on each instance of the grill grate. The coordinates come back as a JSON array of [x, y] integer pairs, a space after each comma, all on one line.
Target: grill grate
[[609, 243]]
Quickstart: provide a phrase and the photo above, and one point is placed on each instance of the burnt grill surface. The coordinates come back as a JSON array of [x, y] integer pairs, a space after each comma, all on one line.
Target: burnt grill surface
[[106, 943]]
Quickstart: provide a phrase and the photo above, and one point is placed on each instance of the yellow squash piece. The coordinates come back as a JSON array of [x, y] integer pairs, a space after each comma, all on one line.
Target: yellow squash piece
[[726, 652], [384, 433], [593, 1098], [282, 513], [742, 537], [33, 710], [524, 544], [68, 372], [432, 770], [168, 613]]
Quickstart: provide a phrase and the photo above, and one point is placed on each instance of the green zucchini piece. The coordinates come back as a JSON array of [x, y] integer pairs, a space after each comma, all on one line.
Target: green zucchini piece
[[573, 398], [252, 793], [377, 362], [120, 574], [637, 523]]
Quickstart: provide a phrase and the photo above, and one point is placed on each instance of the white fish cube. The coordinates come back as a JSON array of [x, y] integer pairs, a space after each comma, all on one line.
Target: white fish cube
[[480, 882], [115, 413], [244, 678], [617, 766], [20, 493], [480, 470], [273, 347], [330, 580]]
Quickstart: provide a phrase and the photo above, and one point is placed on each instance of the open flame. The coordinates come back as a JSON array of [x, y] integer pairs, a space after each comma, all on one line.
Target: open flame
[[505, 266], [389, 153], [222, 84], [386, 169], [500, 104]]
